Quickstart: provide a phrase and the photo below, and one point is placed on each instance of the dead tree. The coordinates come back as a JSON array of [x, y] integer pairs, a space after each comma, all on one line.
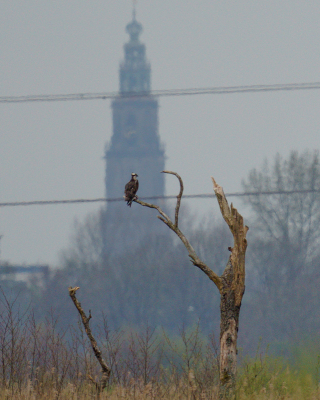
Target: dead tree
[[106, 371], [231, 283]]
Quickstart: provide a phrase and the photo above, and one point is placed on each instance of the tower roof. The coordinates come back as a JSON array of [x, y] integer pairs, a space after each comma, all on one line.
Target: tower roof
[[134, 28], [134, 70]]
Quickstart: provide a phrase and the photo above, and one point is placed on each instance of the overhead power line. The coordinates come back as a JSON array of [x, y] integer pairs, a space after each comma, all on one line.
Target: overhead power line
[[187, 196], [161, 93]]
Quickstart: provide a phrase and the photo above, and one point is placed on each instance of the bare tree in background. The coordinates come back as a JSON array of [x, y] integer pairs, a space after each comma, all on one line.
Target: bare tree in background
[[288, 221], [231, 284], [285, 250], [86, 249]]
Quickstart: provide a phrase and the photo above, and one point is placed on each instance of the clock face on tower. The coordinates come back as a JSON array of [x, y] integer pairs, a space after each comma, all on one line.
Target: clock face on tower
[[131, 137], [128, 134]]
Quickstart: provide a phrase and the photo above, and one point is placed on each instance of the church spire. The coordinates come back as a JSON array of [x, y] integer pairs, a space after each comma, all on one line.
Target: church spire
[[135, 146], [134, 70], [134, 10]]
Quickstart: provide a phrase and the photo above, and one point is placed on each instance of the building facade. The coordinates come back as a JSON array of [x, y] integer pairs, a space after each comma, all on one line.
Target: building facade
[[134, 147]]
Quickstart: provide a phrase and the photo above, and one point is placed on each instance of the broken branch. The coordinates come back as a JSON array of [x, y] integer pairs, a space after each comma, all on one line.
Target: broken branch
[[85, 320]]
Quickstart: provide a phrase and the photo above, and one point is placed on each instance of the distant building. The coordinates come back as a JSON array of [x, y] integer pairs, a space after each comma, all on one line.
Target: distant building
[[135, 147], [27, 275]]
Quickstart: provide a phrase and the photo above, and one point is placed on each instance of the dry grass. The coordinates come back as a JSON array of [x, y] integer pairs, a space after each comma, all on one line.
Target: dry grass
[[139, 391]]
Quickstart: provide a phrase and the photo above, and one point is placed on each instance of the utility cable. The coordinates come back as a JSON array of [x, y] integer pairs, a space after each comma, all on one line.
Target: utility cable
[[187, 196], [161, 93]]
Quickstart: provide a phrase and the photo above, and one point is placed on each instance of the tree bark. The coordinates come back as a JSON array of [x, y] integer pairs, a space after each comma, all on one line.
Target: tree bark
[[229, 323], [231, 293]]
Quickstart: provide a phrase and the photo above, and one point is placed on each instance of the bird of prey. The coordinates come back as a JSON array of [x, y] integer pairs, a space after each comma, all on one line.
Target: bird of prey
[[131, 189]]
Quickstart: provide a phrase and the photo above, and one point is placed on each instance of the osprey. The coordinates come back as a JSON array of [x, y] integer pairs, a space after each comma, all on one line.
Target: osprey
[[131, 189]]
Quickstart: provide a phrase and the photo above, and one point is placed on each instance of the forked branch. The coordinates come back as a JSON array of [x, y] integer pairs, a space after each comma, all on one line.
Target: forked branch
[[230, 214], [85, 320], [239, 231], [174, 227]]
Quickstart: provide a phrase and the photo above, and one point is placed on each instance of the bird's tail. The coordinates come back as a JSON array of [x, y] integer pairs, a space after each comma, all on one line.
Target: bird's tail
[[129, 201]]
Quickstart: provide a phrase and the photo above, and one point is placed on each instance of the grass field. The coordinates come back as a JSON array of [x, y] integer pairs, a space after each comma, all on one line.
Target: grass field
[[41, 361], [262, 377]]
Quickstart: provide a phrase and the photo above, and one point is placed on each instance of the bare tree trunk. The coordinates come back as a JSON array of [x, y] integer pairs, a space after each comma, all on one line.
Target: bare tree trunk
[[231, 293], [231, 284], [229, 322]]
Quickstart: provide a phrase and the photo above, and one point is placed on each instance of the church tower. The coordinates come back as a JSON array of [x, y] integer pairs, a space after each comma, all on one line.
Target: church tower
[[135, 144]]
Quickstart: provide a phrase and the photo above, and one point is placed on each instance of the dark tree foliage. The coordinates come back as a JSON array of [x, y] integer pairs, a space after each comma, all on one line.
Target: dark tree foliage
[[284, 255], [154, 281]]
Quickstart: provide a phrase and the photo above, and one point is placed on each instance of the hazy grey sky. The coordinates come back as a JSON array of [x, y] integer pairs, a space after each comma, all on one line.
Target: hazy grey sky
[[55, 150]]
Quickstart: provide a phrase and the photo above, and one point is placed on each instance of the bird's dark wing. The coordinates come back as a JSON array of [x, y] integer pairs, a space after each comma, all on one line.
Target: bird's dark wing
[[130, 189], [127, 187]]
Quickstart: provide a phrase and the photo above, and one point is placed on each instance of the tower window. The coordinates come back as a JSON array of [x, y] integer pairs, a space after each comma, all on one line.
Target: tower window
[[131, 121]]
